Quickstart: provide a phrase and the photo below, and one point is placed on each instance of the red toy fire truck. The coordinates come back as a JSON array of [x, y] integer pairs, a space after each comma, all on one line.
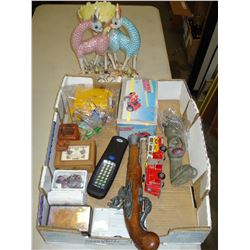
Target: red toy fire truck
[[133, 102], [154, 164]]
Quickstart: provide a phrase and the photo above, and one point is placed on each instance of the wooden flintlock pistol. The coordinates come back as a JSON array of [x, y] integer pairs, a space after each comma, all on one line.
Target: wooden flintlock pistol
[[135, 205]]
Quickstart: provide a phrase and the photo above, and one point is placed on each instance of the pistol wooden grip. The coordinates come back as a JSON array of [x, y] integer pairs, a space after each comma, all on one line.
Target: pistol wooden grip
[[143, 240], [148, 241]]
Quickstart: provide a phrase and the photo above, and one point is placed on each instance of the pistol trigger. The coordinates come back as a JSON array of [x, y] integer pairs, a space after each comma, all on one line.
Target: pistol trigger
[[147, 206]]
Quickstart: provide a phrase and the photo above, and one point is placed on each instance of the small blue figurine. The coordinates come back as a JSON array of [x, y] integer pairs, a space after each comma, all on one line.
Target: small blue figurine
[[118, 40]]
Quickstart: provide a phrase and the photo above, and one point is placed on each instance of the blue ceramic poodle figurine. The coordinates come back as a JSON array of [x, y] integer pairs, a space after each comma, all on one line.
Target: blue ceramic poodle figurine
[[118, 40]]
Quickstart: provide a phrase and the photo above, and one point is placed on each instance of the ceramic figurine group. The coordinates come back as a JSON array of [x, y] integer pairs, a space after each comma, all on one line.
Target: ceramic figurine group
[[107, 40]]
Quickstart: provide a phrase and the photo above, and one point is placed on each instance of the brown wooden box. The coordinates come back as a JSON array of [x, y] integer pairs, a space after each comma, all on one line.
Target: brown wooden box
[[81, 155], [68, 131]]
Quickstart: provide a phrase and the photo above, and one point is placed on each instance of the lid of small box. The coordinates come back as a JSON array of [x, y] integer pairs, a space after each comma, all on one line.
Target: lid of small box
[[138, 102]]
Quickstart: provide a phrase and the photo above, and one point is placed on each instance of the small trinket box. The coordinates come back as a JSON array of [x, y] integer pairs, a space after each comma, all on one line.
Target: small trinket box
[[80, 155], [67, 132]]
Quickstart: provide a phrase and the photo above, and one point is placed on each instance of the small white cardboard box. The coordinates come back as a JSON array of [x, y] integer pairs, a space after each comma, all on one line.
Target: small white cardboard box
[[169, 90], [65, 196]]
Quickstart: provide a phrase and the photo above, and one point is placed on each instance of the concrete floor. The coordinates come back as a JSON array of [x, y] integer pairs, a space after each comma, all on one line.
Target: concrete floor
[[181, 70]]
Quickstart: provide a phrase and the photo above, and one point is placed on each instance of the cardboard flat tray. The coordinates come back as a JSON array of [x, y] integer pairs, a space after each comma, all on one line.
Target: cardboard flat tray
[[174, 208], [181, 214]]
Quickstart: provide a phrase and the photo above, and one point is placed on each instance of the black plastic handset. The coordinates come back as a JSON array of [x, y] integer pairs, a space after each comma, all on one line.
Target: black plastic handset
[[107, 167]]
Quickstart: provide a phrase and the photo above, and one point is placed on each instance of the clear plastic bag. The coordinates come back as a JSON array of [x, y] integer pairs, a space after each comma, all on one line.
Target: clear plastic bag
[[176, 133], [91, 107], [172, 124], [86, 99]]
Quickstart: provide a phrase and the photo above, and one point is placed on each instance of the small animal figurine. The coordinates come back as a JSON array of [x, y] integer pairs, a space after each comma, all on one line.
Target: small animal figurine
[[97, 44], [118, 40]]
